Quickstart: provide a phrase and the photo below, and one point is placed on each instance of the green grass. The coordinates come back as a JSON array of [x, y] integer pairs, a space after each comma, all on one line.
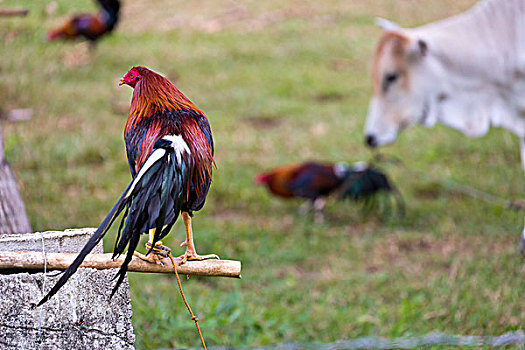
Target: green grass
[[280, 81]]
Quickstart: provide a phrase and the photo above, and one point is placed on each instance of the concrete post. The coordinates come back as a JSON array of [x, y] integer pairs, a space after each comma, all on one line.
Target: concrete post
[[79, 316], [13, 217]]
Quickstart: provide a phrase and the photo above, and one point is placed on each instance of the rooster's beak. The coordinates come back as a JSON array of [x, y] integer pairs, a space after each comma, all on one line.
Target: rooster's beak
[[121, 82]]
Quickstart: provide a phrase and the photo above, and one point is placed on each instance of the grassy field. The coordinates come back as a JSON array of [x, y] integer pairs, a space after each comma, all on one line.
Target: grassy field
[[280, 81]]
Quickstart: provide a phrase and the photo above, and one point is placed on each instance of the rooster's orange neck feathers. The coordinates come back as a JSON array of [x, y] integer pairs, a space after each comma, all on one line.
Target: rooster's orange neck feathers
[[155, 94]]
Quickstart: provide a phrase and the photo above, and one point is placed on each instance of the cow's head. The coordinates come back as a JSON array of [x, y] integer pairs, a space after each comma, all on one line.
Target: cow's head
[[402, 84]]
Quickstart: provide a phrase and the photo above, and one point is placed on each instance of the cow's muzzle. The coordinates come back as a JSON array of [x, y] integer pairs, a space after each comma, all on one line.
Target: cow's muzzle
[[371, 141]]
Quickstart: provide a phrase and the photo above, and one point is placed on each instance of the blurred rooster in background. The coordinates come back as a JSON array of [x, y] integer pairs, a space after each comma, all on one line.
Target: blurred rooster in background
[[89, 27], [170, 153], [315, 181], [364, 183]]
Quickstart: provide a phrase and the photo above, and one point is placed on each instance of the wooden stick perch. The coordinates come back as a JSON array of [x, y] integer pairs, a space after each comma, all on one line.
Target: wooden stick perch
[[13, 12], [60, 261]]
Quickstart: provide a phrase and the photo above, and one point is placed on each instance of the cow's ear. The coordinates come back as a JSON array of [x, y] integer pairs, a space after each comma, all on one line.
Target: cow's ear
[[417, 49], [386, 25]]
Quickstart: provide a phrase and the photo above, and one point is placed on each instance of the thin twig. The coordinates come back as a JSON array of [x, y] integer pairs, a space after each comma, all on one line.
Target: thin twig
[[13, 12], [450, 184], [193, 317]]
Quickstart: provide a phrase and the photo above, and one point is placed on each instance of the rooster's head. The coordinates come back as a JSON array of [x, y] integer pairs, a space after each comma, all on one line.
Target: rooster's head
[[131, 78]]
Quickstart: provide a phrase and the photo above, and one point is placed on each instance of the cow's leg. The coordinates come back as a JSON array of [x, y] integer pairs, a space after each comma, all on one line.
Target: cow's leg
[[522, 145], [522, 243]]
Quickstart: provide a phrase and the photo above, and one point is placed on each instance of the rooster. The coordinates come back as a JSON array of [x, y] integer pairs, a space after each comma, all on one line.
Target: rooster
[[170, 153], [315, 181], [363, 183], [89, 27]]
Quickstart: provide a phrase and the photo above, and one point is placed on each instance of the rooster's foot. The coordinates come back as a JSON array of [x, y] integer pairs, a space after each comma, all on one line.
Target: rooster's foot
[[156, 255], [192, 255]]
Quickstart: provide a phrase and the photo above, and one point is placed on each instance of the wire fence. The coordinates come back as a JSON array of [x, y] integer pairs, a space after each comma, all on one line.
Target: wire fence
[[516, 338]]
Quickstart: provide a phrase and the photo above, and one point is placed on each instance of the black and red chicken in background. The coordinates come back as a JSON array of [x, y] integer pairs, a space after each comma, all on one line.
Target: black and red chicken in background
[[87, 26], [170, 153], [315, 181]]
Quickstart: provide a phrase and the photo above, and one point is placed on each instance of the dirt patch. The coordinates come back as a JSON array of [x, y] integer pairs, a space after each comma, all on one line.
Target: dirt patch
[[68, 123], [79, 55], [332, 96], [264, 122], [341, 64], [208, 17], [422, 244], [434, 254], [11, 36]]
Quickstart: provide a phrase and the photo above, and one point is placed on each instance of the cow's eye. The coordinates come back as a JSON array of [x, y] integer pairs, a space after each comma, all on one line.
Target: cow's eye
[[389, 79]]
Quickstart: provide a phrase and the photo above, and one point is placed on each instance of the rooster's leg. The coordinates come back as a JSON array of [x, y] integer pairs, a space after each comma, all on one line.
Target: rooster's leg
[[92, 45], [318, 205], [305, 208], [158, 252], [191, 253]]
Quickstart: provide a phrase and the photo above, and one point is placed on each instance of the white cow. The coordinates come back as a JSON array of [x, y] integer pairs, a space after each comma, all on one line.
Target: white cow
[[467, 72]]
